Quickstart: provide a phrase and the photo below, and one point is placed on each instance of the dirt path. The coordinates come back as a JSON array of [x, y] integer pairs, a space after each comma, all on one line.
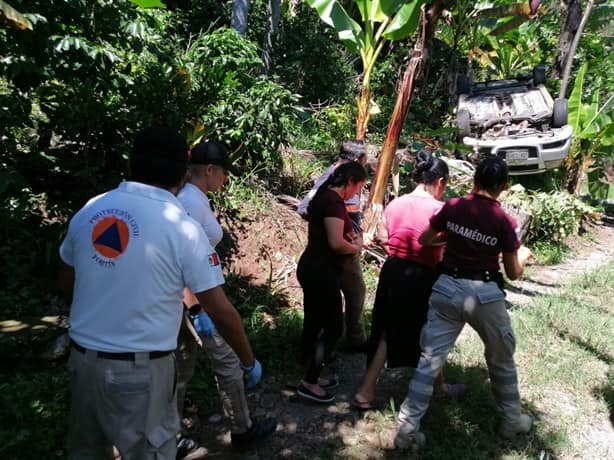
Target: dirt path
[[308, 431], [589, 253]]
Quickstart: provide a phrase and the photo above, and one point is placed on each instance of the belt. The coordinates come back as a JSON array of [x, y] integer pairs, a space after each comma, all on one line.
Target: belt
[[127, 356], [467, 274]]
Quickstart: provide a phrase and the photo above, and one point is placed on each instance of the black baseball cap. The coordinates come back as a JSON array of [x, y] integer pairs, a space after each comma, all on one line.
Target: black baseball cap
[[213, 153]]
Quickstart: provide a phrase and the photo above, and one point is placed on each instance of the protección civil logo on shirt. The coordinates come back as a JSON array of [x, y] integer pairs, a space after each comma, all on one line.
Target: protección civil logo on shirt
[[112, 230]]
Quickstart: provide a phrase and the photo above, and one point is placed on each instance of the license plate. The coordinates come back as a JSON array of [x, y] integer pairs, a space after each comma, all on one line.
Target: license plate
[[515, 156]]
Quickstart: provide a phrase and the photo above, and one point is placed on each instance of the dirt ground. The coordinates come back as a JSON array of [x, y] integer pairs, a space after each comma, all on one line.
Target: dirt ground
[[268, 246]]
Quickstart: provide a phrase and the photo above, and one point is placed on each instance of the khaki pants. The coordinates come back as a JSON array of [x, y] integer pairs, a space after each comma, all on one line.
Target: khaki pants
[[127, 404], [453, 303], [228, 374], [354, 291]]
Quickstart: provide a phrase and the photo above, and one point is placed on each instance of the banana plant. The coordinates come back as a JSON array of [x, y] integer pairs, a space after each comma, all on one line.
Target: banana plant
[[380, 21], [593, 130]]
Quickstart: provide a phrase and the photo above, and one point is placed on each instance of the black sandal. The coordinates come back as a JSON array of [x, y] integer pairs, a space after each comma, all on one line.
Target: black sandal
[[308, 394]]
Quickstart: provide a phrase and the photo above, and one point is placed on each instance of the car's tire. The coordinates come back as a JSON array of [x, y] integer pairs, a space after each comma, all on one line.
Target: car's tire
[[463, 84], [559, 113], [463, 123], [539, 75]]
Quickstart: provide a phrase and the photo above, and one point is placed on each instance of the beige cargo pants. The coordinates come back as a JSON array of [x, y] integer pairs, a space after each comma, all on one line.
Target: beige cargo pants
[[228, 374], [453, 303]]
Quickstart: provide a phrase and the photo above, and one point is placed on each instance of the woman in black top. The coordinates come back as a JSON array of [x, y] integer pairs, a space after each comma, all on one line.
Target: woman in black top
[[331, 238]]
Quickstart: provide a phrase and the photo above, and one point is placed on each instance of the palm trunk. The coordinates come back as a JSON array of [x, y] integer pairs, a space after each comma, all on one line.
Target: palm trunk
[[375, 205], [362, 118]]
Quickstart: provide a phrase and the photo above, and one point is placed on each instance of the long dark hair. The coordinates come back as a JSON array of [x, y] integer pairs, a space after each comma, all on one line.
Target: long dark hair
[[491, 173], [342, 175], [429, 168]]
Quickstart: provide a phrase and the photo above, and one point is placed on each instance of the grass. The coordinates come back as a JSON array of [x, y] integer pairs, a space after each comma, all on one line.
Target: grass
[[565, 357], [549, 253]]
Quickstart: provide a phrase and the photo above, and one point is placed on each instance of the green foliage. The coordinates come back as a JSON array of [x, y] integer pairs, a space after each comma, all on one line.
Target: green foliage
[[555, 215], [590, 120], [593, 142], [311, 61], [322, 129], [381, 20], [34, 400], [548, 252], [251, 113]]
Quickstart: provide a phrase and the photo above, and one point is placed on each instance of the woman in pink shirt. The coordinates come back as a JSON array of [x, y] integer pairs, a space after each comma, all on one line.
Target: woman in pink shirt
[[406, 279]]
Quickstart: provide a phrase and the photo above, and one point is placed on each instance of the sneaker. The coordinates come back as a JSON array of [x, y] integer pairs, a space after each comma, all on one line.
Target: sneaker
[[259, 430], [188, 449], [415, 439], [522, 426]]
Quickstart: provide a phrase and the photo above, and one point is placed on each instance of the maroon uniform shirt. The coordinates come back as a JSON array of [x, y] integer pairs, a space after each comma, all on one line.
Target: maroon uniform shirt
[[477, 231]]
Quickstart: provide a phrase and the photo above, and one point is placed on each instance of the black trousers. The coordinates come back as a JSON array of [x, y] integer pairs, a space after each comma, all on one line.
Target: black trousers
[[323, 312], [399, 311]]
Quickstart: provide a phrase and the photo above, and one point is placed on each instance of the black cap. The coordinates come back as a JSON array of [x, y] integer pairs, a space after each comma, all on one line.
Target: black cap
[[213, 153]]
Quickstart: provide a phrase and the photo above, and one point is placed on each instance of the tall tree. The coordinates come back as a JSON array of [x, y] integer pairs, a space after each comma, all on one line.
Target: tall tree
[[238, 18], [273, 11], [572, 49], [571, 15]]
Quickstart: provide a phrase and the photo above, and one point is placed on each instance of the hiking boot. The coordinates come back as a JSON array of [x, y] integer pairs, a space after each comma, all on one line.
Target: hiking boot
[[522, 426], [188, 449], [415, 439], [259, 430]]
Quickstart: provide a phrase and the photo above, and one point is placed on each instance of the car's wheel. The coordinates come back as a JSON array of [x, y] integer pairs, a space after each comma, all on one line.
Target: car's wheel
[[463, 84], [539, 74], [463, 123], [559, 113]]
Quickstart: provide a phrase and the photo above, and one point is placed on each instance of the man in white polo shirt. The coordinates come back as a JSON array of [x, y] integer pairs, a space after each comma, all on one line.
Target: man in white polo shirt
[[209, 168], [127, 256]]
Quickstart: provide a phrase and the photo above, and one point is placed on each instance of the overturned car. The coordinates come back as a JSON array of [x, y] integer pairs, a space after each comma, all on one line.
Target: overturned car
[[516, 119]]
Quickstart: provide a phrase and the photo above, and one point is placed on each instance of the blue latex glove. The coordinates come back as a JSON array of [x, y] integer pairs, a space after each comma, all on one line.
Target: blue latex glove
[[203, 325], [252, 374]]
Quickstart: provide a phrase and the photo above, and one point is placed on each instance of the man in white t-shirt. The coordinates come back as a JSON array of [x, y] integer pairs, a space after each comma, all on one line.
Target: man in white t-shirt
[[209, 169], [127, 256]]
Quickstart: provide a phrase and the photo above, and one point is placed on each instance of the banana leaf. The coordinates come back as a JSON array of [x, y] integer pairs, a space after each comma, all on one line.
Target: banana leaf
[[405, 22]]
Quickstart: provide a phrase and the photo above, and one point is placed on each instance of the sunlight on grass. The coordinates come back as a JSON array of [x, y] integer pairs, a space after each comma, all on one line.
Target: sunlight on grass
[[565, 354]]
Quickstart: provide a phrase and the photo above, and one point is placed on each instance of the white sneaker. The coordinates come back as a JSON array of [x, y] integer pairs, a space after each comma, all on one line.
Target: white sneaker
[[415, 439], [522, 426]]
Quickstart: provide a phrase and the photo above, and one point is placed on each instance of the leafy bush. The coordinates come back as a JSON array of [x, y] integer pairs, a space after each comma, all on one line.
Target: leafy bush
[[235, 104], [555, 215], [324, 128]]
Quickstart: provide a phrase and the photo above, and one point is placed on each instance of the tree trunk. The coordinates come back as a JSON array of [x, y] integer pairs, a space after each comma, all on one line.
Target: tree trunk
[[375, 205], [362, 118], [571, 14], [238, 18], [572, 49], [267, 47]]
